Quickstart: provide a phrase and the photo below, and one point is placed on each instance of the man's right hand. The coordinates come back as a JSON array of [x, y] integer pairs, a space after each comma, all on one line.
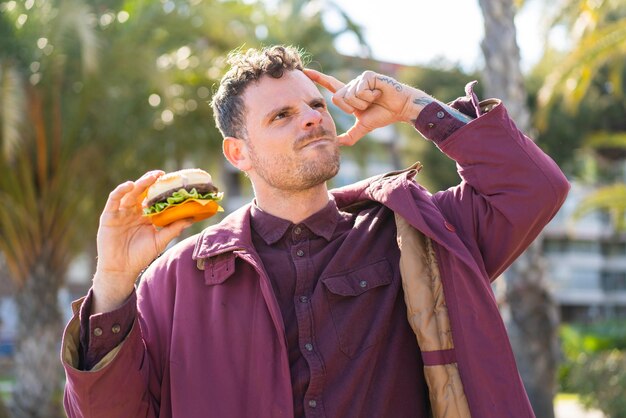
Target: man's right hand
[[127, 243]]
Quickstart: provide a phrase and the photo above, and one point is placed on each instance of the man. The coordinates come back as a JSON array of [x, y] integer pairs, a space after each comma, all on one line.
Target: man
[[296, 304]]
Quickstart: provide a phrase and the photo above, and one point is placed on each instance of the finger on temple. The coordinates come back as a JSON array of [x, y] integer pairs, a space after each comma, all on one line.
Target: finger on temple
[[330, 83]]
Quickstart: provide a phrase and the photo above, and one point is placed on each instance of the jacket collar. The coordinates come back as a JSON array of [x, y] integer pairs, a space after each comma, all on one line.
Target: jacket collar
[[234, 232], [396, 190]]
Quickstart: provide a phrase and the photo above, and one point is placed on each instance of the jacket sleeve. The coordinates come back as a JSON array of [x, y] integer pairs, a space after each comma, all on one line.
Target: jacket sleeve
[[124, 383], [509, 191]]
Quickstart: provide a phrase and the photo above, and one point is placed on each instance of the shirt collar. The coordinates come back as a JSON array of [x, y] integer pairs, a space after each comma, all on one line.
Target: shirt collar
[[272, 228]]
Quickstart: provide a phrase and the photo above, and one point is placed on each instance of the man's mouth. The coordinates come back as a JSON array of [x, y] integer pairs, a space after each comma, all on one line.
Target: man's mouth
[[317, 141], [317, 137]]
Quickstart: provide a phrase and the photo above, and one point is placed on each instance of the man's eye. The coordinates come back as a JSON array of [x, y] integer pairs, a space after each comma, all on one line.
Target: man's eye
[[280, 115], [319, 105]]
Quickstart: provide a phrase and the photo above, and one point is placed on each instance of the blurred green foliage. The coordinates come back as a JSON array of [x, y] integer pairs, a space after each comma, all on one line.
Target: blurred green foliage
[[446, 84], [571, 137], [96, 92], [594, 365]]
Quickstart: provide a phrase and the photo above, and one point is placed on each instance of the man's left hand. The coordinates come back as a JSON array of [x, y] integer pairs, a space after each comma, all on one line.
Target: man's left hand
[[374, 99]]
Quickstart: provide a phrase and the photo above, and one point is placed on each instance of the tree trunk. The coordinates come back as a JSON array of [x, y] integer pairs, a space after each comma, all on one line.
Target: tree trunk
[[502, 74], [529, 310], [4, 413], [38, 372]]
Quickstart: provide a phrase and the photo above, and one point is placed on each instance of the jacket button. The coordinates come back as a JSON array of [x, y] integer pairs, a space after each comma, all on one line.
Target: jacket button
[[300, 253], [97, 332], [116, 328], [312, 403], [449, 226]]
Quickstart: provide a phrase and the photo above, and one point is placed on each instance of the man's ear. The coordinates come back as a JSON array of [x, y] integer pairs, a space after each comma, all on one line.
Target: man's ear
[[236, 151]]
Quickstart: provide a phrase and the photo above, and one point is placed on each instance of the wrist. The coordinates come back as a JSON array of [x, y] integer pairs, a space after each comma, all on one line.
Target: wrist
[[414, 106], [110, 291]]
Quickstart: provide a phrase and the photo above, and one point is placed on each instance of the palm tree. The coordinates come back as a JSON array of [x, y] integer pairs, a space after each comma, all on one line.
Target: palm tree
[[597, 33], [597, 30], [69, 132], [529, 310], [36, 221]]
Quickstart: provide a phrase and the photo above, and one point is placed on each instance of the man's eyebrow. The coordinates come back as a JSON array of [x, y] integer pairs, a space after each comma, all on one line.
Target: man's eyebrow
[[269, 115], [276, 111], [316, 100]]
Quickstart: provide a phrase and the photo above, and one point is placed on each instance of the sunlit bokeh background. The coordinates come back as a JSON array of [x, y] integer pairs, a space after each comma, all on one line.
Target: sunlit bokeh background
[[95, 92]]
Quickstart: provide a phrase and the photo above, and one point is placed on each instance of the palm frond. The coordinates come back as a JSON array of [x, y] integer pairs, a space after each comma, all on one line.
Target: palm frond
[[610, 199], [616, 69], [601, 140], [571, 79], [12, 110], [76, 18]]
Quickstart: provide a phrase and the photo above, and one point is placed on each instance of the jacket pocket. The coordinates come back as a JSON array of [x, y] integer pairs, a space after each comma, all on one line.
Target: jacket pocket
[[355, 301]]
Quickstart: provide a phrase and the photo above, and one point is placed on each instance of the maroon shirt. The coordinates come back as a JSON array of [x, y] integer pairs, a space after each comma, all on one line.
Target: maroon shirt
[[365, 306]]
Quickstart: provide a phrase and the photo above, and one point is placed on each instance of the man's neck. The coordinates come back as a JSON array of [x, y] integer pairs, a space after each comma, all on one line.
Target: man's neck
[[293, 206]]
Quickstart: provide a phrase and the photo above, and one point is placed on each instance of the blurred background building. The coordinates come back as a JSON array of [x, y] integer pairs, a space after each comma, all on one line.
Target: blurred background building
[[586, 260]]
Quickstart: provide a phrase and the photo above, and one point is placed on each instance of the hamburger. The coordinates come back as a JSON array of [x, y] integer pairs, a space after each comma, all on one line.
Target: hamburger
[[182, 194]]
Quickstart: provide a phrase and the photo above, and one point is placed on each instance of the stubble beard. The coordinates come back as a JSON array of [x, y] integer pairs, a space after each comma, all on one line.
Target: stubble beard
[[290, 173]]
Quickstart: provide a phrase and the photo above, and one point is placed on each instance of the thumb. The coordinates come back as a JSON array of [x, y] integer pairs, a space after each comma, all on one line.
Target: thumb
[[352, 135], [168, 233]]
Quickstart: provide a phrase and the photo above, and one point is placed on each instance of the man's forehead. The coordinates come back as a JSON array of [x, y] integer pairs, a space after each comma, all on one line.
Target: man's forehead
[[293, 83]]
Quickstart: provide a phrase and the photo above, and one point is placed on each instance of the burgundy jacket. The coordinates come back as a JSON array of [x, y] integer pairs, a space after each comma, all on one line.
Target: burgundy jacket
[[233, 363]]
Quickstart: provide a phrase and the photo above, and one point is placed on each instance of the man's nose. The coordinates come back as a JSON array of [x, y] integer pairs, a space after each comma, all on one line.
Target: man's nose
[[311, 117]]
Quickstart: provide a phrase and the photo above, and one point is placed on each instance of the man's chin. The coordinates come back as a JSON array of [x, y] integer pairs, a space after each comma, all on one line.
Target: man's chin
[[323, 171]]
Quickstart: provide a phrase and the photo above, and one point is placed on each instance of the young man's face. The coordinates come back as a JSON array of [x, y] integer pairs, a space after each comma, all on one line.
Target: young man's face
[[292, 139]]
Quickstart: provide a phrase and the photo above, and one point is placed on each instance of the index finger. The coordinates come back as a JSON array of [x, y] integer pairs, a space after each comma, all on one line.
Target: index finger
[[330, 83], [127, 193], [140, 191]]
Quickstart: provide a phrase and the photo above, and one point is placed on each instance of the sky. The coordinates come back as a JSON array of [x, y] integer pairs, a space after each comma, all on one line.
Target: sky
[[422, 31]]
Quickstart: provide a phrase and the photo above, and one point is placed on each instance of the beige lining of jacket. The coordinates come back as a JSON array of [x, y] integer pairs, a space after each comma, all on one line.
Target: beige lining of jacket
[[71, 342], [428, 317]]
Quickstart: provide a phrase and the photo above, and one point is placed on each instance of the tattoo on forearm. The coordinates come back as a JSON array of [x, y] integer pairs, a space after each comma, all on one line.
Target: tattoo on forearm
[[392, 82], [423, 101]]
